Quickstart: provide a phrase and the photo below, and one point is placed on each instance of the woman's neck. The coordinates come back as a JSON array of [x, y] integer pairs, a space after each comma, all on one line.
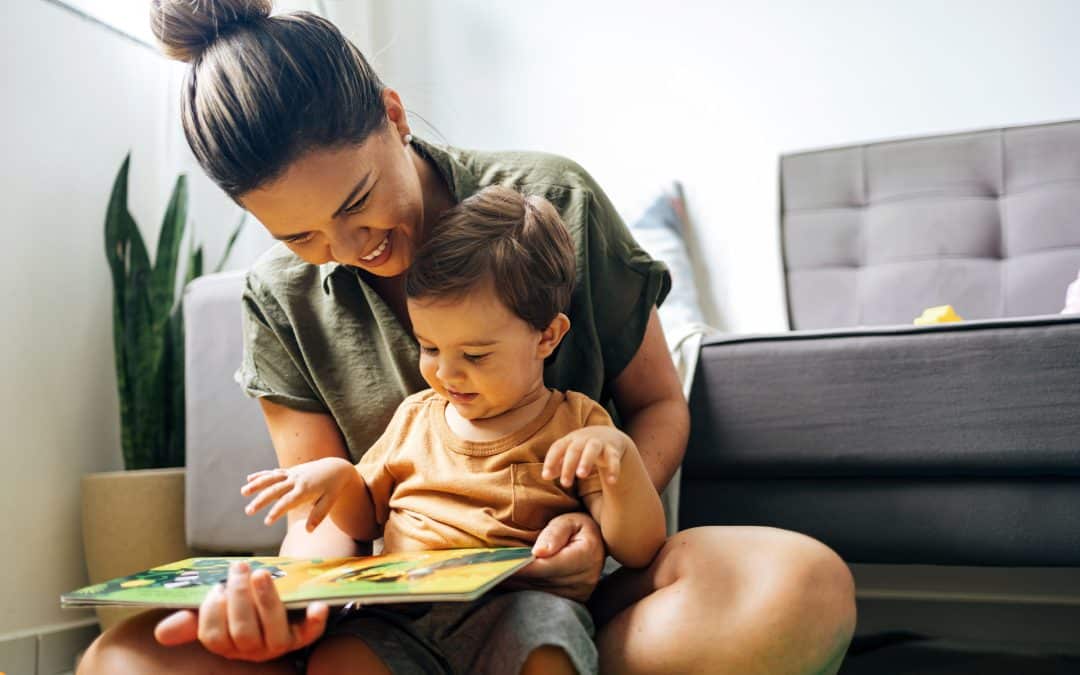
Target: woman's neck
[[437, 196], [392, 292]]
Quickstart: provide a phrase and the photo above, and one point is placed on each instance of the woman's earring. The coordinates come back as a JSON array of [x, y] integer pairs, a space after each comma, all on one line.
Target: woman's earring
[[408, 139]]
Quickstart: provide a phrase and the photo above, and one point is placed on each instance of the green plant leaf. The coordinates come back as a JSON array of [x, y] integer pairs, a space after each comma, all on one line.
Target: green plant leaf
[[119, 226], [148, 331], [231, 242], [140, 363], [163, 278], [195, 265]]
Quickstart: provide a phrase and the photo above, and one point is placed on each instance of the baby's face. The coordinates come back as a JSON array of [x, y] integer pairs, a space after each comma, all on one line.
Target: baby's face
[[476, 353]]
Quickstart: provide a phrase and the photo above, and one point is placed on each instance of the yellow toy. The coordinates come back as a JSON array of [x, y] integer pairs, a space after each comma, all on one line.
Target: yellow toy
[[940, 314]]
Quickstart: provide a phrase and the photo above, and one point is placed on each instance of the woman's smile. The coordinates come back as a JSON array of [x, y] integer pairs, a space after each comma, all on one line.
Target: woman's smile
[[381, 253]]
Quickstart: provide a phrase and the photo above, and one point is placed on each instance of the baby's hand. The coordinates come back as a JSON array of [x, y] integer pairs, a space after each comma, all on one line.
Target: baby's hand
[[318, 483], [580, 452]]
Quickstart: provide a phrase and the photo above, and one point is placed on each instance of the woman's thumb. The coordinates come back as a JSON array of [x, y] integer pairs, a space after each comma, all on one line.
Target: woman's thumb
[[553, 538], [313, 625]]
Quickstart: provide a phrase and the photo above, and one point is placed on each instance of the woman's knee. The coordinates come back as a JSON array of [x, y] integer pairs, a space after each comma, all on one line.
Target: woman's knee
[[130, 647], [769, 570], [810, 576], [117, 650]]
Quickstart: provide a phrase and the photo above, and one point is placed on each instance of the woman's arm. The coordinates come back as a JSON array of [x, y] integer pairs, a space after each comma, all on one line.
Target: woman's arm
[[650, 401], [302, 437]]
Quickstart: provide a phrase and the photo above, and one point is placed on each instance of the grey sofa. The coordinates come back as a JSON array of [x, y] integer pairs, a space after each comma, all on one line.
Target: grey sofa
[[947, 444]]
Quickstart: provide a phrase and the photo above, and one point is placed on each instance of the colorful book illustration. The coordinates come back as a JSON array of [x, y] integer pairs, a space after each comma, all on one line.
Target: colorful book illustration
[[418, 576]]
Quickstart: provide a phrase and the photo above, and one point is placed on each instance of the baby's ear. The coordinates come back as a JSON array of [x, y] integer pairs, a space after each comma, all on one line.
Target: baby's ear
[[551, 336]]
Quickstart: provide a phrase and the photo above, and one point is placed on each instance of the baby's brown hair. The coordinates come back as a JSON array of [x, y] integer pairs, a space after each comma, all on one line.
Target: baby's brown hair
[[517, 242]]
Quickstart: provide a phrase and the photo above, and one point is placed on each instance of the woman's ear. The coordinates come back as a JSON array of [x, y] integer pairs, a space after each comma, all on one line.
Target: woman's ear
[[395, 111], [551, 336]]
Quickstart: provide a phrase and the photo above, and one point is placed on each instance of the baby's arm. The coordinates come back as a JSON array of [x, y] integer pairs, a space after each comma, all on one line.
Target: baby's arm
[[332, 485], [628, 507]]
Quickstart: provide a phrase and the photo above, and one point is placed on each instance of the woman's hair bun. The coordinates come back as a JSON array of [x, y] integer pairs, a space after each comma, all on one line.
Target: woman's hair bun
[[185, 28]]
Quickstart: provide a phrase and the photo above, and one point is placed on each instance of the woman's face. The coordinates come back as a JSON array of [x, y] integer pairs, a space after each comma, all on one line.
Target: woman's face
[[361, 205]]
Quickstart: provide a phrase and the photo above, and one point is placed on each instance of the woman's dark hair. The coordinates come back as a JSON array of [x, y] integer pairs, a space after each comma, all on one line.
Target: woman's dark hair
[[519, 244], [263, 90]]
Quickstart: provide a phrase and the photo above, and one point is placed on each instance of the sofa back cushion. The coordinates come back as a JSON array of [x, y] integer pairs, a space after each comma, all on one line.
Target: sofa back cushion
[[987, 221]]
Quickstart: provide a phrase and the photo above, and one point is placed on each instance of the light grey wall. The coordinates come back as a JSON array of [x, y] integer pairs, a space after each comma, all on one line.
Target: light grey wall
[[711, 92], [76, 97]]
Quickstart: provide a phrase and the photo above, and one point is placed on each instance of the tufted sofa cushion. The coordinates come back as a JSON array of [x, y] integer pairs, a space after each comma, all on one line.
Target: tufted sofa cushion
[[988, 222]]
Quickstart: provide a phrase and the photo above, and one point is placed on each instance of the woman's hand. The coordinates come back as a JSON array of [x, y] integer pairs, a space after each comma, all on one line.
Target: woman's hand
[[318, 483], [569, 557], [244, 620]]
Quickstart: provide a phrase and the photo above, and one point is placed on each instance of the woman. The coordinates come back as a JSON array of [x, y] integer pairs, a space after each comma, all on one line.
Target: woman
[[288, 118]]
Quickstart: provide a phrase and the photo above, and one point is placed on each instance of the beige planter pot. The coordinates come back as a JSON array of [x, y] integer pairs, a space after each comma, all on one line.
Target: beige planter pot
[[131, 520]]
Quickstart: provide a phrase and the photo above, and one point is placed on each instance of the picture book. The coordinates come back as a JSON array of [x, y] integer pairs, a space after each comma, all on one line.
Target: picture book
[[418, 576]]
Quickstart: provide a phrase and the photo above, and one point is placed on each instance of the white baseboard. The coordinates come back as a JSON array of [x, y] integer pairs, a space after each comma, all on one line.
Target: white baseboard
[[46, 650]]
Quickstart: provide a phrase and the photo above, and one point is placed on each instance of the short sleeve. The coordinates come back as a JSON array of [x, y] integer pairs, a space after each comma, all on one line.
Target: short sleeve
[[594, 416], [625, 283], [271, 367]]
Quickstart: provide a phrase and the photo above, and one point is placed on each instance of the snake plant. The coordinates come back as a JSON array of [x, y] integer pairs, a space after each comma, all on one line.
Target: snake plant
[[148, 338]]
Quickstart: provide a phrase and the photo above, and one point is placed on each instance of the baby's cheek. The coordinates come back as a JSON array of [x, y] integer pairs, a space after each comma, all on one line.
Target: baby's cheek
[[427, 371]]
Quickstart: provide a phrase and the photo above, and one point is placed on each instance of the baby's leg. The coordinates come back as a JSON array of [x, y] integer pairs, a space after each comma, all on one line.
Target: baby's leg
[[548, 660], [342, 654], [379, 640], [517, 632]]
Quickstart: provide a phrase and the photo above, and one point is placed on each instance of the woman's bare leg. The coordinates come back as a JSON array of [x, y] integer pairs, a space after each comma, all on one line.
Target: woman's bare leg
[[548, 660], [130, 648], [345, 655], [743, 600]]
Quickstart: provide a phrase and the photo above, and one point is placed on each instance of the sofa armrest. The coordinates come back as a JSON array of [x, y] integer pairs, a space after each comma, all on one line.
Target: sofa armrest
[[951, 444], [226, 437], [998, 397]]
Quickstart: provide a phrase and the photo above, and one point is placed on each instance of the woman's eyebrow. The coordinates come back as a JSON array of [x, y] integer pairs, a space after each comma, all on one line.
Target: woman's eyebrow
[[356, 189]]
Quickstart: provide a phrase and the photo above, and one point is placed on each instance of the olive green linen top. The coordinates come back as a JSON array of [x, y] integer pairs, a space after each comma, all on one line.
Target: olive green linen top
[[318, 337]]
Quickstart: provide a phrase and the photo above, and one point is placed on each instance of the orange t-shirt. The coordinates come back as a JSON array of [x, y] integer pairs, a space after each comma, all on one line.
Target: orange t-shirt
[[434, 490]]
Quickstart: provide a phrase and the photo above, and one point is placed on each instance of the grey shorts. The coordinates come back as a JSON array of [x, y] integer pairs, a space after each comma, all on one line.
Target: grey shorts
[[494, 634]]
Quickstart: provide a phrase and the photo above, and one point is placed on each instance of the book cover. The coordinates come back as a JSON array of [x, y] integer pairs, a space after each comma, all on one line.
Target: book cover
[[418, 576]]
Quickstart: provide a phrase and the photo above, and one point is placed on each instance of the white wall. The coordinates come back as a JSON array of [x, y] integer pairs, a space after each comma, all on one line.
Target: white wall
[[712, 92], [76, 98]]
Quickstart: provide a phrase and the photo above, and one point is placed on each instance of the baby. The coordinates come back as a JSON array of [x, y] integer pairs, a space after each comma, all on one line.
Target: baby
[[489, 454]]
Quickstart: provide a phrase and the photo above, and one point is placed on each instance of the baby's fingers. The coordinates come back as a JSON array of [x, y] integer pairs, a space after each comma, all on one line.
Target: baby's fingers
[[291, 500], [262, 479], [570, 462], [612, 463], [553, 460], [588, 459], [319, 509], [268, 495]]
